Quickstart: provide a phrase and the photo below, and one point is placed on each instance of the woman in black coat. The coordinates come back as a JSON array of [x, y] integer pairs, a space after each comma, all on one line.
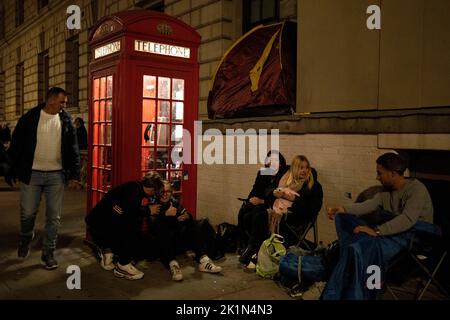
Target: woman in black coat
[[274, 168]]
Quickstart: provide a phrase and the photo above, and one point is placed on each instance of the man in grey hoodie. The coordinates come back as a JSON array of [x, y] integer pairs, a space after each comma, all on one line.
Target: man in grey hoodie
[[407, 199], [403, 204]]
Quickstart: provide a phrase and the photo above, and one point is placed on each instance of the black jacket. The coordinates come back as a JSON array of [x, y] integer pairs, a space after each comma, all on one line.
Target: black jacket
[[120, 210], [23, 146], [308, 205], [82, 137]]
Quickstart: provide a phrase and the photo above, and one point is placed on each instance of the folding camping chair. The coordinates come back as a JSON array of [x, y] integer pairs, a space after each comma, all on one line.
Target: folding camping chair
[[428, 252], [300, 233]]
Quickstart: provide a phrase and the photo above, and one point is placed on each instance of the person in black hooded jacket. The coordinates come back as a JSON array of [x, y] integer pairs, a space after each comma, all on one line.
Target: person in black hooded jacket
[[115, 224], [274, 168]]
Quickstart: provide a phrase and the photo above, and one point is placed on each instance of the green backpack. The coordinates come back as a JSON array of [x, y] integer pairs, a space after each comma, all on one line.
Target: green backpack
[[269, 256]]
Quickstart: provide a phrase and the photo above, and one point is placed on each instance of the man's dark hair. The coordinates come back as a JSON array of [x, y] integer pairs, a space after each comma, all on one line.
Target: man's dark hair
[[153, 180], [80, 121], [55, 91], [392, 161]]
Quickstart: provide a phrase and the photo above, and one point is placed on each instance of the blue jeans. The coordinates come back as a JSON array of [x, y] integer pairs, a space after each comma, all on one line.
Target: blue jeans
[[51, 184]]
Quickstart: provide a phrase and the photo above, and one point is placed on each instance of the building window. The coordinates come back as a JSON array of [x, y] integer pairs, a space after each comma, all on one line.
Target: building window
[[42, 4], [150, 5], [19, 89], [19, 13], [72, 73], [2, 96], [43, 75], [257, 12]]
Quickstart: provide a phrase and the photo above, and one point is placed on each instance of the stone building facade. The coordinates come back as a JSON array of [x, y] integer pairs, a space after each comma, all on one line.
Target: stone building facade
[[360, 92]]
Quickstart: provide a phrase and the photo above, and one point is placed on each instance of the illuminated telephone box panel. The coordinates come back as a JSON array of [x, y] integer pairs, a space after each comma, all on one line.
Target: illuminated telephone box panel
[[143, 89]]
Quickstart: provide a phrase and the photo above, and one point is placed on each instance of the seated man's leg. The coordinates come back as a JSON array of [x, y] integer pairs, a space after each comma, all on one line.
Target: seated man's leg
[[341, 277], [345, 224], [166, 239]]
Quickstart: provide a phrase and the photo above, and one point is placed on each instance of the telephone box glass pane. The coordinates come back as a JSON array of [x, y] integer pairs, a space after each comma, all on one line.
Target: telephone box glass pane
[[162, 135], [102, 111], [109, 86], [102, 88], [95, 134], [146, 156], [108, 157], [163, 88], [175, 179], [100, 157], [108, 110], [163, 158], [148, 110], [148, 134], [149, 87], [177, 112], [108, 134], [177, 160], [96, 89], [177, 134], [178, 89], [102, 134], [94, 156], [163, 111], [108, 180], [100, 179], [96, 111]]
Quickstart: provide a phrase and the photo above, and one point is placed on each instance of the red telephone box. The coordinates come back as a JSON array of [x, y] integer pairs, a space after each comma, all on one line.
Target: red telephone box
[[143, 91]]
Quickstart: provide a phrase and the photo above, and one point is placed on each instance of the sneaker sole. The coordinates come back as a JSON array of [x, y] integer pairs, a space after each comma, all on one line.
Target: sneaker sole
[[53, 267], [210, 271], [119, 274], [108, 268]]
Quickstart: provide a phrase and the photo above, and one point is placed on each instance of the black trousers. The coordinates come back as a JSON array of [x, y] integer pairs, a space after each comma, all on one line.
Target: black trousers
[[173, 237], [125, 242]]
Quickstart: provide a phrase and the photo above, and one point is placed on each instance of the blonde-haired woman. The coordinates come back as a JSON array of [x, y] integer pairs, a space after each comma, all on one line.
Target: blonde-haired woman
[[299, 192], [297, 181]]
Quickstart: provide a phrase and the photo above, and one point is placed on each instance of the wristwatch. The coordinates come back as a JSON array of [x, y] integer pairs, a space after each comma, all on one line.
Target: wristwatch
[[377, 231]]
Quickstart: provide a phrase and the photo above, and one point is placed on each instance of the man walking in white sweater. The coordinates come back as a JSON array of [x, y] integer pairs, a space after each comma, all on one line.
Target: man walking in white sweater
[[44, 154]]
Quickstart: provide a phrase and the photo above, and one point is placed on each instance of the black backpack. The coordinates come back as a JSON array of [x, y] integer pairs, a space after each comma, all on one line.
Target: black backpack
[[227, 237]]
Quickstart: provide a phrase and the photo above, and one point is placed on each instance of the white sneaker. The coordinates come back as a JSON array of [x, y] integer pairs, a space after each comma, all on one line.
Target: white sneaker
[[107, 261], [175, 271], [128, 271], [206, 265]]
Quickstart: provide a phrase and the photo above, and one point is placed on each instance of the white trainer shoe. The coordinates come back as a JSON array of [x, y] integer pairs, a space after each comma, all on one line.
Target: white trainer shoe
[[206, 265], [175, 271], [128, 271]]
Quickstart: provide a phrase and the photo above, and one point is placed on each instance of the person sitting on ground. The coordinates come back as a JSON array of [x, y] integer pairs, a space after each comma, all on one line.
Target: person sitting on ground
[[274, 168], [115, 224], [297, 192], [175, 229], [403, 204]]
